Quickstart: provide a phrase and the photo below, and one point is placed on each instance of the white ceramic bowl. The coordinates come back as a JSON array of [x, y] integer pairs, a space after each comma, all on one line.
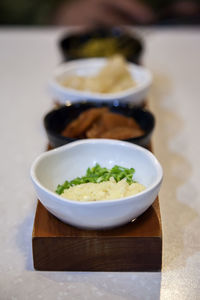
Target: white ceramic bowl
[[69, 161], [89, 67]]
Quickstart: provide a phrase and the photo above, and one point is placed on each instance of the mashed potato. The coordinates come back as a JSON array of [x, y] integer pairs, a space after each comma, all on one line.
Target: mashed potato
[[102, 191]]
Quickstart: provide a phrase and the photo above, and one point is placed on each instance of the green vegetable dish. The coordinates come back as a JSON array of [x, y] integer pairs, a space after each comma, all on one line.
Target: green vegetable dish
[[98, 174]]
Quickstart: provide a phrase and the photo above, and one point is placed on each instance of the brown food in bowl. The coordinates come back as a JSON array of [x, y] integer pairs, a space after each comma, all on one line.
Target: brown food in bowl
[[110, 121], [101, 123], [81, 124], [121, 133]]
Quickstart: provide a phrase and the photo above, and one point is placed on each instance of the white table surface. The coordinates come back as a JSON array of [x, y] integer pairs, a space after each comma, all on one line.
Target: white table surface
[[27, 59]]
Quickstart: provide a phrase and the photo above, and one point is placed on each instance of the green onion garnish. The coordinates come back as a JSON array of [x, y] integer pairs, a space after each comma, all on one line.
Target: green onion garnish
[[98, 174]]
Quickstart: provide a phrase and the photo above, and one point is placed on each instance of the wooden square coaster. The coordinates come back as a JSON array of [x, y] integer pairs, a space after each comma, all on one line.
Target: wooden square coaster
[[136, 246]]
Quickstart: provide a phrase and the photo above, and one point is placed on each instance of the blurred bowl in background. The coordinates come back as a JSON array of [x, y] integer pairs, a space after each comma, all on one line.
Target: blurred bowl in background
[[91, 67], [56, 120], [102, 43]]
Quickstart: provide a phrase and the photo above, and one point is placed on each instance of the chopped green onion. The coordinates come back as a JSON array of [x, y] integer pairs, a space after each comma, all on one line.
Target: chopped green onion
[[98, 174]]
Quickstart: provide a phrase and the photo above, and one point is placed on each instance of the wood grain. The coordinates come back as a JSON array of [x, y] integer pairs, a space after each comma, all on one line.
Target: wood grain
[[136, 246]]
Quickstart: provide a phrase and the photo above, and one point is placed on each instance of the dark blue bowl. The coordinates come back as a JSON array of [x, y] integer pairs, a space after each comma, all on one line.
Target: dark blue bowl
[[128, 44], [56, 120]]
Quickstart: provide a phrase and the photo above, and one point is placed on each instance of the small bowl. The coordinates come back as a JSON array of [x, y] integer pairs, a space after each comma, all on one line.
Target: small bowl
[[90, 67], [56, 120], [67, 162], [127, 44]]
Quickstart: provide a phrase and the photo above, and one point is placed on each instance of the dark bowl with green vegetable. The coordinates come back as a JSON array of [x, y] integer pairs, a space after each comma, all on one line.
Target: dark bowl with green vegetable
[[57, 120], [102, 42]]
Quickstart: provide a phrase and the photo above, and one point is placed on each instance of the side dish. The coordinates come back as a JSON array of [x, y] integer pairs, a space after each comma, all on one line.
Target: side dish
[[101, 42], [102, 123], [101, 184], [100, 47], [65, 163], [112, 78]]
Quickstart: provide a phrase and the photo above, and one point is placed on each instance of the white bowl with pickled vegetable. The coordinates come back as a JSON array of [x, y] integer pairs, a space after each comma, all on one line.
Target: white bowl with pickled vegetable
[[87, 68], [70, 161]]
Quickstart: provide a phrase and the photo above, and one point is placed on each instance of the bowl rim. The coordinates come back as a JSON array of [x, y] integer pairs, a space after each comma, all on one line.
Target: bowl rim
[[59, 70], [59, 199], [93, 104]]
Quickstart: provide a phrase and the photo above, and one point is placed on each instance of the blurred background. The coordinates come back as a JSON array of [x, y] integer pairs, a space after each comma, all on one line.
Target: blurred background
[[99, 12]]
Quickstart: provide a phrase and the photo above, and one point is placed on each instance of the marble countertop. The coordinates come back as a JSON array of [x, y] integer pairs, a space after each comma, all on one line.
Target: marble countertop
[[27, 59]]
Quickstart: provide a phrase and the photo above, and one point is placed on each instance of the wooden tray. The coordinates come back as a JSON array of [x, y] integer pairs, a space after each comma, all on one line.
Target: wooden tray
[[136, 246]]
